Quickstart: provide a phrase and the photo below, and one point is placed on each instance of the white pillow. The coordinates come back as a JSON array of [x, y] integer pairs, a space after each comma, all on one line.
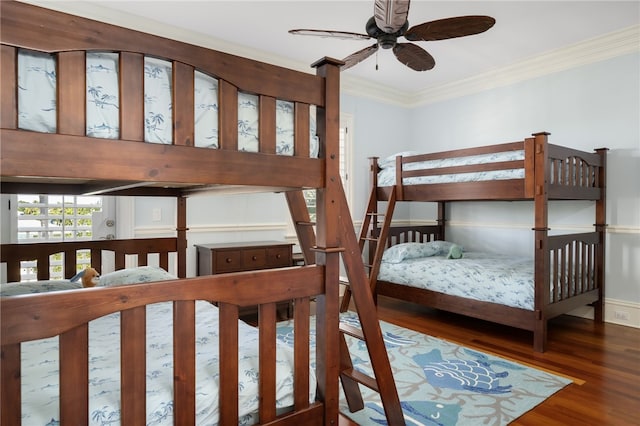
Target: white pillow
[[141, 274], [406, 251]]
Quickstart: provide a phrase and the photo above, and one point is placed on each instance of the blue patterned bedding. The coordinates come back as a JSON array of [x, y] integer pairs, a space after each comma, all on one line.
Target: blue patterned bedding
[[14, 289], [37, 104], [387, 176], [502, 279], [40, 371], [140, 274]]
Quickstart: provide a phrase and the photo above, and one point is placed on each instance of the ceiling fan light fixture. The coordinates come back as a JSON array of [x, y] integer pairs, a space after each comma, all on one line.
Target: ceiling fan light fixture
[[387, 41]]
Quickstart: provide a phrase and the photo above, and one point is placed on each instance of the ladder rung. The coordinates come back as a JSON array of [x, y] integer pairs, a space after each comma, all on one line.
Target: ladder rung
[[351, 331], [362, 378], [374, 214], [369, 239], [306, 223]]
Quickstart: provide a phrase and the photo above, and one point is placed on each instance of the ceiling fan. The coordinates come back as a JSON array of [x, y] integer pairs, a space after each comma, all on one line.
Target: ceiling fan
[[389, 23]]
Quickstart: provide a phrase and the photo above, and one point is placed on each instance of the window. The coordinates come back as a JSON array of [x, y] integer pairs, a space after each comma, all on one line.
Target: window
[[346, 121], [56, 217], [43, 218]]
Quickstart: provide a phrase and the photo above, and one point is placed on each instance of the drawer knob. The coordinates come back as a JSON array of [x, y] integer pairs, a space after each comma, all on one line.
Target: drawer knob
[[228, 260], [278, 256], [254, 258]]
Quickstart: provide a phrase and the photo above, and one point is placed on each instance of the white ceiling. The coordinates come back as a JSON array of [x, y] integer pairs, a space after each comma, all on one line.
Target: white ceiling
[[259, 29]]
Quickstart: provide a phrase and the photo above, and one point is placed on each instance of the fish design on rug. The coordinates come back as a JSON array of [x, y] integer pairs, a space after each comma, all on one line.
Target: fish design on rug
[[419, 413], [460, 374]]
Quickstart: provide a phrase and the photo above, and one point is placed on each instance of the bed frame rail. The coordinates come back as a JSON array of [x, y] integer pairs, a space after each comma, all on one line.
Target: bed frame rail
[[65, 314], [565, 173], [576, 276], [414, 234], [43, 256], [575, 174]]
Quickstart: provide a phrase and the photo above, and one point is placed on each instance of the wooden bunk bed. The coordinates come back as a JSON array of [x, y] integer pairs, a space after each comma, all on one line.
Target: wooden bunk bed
[[567, 270], [62, 159]]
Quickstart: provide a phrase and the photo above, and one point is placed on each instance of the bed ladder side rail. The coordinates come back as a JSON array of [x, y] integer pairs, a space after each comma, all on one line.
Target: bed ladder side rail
[[369, 221], [373, 237], [370, 331]]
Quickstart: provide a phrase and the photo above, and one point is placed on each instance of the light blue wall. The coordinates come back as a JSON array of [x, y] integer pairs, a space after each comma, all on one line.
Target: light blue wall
[[379, 130]]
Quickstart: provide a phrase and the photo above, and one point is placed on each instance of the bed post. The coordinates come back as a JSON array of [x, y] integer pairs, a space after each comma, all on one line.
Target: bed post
[[327, 240], [601, 226], [181, 234], [399, 182], [442, 211], [374, 192], [541, 249]]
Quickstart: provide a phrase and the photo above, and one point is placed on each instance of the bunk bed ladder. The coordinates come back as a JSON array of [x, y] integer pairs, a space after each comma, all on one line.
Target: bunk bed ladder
[[369, 331], [373, 237]]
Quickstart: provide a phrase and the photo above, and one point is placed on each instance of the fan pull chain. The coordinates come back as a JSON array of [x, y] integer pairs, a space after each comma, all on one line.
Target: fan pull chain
[[376, 60]]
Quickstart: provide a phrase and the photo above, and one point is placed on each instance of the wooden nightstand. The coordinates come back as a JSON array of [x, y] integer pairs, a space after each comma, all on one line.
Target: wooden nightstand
[[223, 258]]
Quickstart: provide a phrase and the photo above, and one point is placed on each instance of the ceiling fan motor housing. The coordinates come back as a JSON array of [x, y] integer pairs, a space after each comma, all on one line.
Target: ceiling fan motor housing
[[385, 40]]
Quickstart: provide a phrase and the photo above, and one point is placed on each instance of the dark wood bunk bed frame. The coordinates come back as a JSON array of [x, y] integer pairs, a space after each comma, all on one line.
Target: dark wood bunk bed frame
[[552, 172], [39, 163]]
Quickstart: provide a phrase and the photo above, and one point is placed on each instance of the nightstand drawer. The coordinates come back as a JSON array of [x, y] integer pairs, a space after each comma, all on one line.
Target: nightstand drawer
[[222, 258], [254, 259], [279, 257], [227, 261]]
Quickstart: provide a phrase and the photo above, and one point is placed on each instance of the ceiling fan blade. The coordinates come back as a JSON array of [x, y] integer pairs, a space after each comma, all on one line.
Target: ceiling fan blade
[[391, 15], [414, 56], [358, 57], [443, 29], [331, 34]]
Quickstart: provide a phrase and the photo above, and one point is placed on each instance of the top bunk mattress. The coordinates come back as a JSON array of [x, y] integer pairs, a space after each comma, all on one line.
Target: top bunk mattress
[[387, 174], [37, 110]]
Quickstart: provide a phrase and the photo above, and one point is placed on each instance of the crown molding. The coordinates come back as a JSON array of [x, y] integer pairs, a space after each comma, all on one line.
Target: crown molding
[[370, 90], [611, 45]]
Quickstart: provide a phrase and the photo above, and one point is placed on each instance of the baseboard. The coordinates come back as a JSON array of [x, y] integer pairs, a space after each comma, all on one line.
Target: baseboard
[[615, 312]]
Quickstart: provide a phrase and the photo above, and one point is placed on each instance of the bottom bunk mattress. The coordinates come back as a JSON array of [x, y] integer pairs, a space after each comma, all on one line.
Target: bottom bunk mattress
[[40, 369], [489, 277]]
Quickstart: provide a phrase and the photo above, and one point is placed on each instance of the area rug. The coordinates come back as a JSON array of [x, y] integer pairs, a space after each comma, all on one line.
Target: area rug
[[442, 383]]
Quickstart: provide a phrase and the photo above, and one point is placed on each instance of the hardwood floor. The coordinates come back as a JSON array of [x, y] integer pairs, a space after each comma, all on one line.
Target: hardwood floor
[[605, 357]]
